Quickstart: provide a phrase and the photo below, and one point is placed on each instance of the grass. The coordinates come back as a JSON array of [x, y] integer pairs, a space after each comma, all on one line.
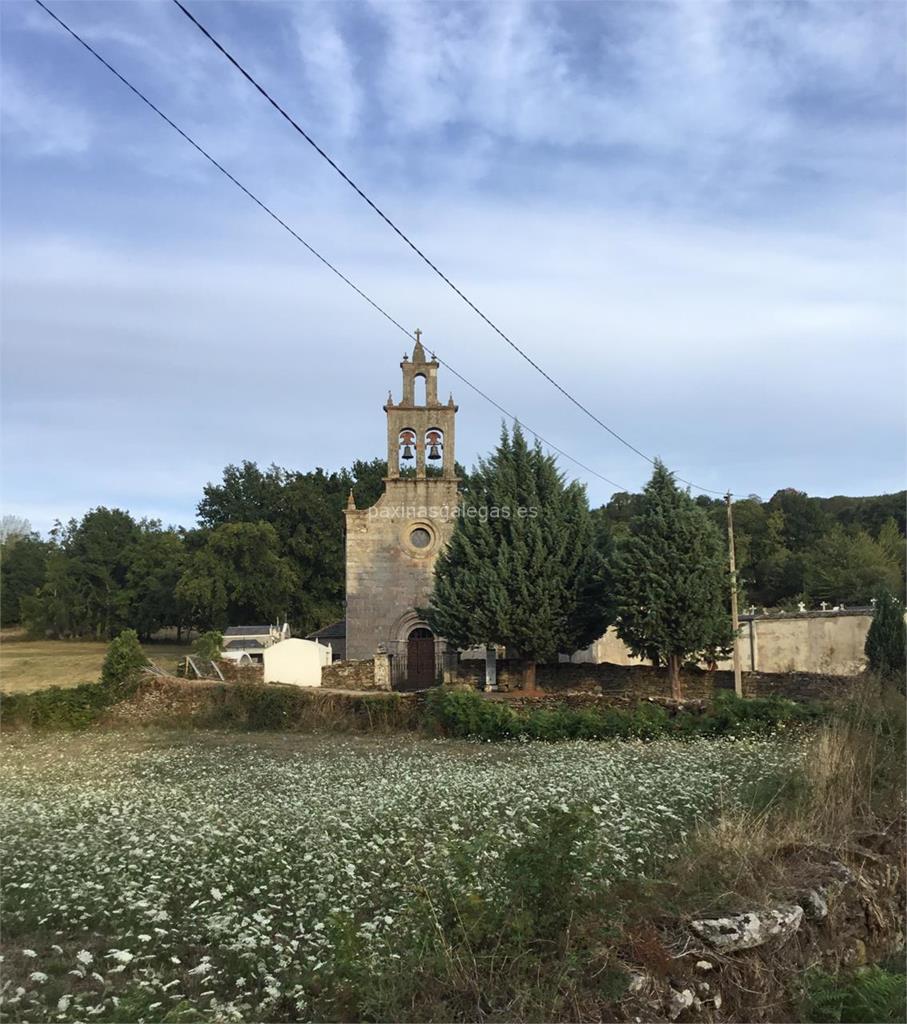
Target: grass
[[30, 665]]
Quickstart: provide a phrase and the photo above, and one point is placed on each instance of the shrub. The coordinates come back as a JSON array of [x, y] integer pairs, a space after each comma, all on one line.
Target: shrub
[[465, 713], [871, 994], [886, 641], [262, 707], [730, 715], [122, 666], [266, 707], [55, 708], [209, 645]]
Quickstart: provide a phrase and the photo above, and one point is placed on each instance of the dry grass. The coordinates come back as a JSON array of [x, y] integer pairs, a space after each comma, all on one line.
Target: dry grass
[[852, 786], [29, 665]]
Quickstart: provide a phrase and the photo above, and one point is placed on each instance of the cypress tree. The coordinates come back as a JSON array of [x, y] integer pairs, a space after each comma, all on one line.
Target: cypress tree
[[886, 641], [671, 580], [524, 566]]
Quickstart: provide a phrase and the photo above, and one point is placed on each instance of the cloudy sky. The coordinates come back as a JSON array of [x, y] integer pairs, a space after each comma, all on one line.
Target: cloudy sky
[[691, 214]]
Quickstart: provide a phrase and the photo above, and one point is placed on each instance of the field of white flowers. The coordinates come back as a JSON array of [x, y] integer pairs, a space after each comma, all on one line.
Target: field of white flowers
[[185, 878]]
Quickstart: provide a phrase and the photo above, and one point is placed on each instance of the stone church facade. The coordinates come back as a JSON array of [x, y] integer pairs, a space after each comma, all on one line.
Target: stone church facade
[[392, 547]]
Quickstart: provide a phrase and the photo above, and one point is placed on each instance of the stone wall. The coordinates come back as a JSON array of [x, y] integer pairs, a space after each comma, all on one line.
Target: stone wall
[[643, 681], [828, 643], [349, 675]]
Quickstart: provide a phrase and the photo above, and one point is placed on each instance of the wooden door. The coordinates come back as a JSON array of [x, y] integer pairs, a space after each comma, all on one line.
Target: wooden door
[[420, 659]]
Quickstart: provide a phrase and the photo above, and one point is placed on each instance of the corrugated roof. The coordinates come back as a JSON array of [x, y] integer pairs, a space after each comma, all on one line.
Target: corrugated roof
[[247, 631]]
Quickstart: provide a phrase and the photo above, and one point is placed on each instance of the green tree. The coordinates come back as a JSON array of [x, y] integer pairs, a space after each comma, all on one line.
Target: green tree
[[85, 592], [123, 664], [671, 580], [13, 528], [23, 570], [209, 645], [235, 574], [100, 550], [804, 520], [524, 566], [306, 512], [158, 561], [886, 641], [870, 513], [849, 567], [891, 542]]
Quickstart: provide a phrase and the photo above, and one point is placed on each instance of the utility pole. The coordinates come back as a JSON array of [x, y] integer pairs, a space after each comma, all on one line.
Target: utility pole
[[738, 678]]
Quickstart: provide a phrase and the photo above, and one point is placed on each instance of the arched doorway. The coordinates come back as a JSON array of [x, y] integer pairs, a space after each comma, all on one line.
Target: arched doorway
[[420, 659]]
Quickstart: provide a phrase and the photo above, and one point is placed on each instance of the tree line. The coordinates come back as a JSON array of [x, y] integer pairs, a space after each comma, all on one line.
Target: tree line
[[268, 545], [795, 548], [552, 583]]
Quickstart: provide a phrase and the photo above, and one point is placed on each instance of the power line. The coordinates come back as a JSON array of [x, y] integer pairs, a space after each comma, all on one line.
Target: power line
[[412, 245], [258, 202]]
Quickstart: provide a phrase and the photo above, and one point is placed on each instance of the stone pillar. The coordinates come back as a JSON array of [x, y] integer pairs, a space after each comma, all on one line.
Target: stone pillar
[[382, 670], [491, 668], [449, 665]]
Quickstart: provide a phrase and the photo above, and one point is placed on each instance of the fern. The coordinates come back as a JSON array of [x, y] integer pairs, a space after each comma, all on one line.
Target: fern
[[869, 996]]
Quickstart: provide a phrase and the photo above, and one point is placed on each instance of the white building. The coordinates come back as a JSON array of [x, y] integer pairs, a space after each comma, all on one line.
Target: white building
[[252, 640], [297, 662]]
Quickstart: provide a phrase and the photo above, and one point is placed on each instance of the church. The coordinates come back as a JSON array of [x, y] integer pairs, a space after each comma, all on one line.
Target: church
[[392, 547]]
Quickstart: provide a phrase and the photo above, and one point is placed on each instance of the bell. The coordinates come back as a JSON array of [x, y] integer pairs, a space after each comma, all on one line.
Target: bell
[[407, 452], [433, 452]]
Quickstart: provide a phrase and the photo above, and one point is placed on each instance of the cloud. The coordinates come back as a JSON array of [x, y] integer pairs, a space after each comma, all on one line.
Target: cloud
[[691, 342], [688, 212], [40, 124], [328, 67]]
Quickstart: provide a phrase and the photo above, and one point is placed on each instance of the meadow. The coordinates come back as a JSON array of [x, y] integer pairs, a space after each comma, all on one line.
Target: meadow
[[27, 665], [196, 876]]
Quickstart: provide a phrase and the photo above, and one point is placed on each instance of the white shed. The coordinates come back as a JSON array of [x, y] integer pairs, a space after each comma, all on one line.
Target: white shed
[[296, 661]]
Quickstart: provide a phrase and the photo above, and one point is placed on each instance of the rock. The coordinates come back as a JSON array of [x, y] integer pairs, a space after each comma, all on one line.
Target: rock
[[680, 1001], [833, 888], [744, 931], [856, 957], [637, 983], [843, 872], [814, 905]]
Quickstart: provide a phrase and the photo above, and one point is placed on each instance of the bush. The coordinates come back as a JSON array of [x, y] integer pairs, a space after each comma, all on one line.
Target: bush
[[55, 708], [122, 666], [264, 707], [731, 715], [465, 713], [886, 641], [209, 645], [872, 994]]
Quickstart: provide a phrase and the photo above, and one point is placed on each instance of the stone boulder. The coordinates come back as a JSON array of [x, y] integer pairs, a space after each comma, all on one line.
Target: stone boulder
[[745, 931]]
